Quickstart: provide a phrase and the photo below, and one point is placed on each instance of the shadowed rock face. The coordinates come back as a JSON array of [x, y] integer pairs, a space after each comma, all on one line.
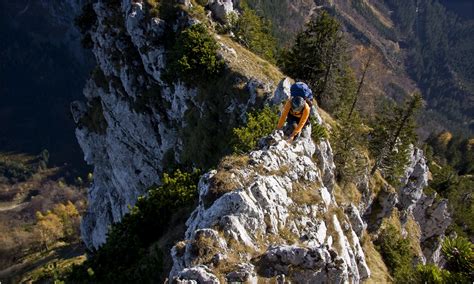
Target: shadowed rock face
[[280, 197]]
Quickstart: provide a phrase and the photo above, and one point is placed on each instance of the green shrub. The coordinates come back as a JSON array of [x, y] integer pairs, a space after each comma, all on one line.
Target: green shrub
[[193, 59], [431, 274], [131, 253], [318, 131], [259, 124], [14, 170], [459, 255], [396, 253]]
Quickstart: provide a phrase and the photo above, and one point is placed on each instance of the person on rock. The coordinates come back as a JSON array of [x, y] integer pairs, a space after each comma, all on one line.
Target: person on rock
[[296, 111]]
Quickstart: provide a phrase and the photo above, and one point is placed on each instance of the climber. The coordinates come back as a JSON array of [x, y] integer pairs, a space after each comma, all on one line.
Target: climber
[[296, 111]]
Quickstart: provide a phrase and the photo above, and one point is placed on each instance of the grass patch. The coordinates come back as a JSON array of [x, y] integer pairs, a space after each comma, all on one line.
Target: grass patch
[[413, 235], [378, 270], [203, 249], [348, 194], [227, 178], [243, 61], [306, 194]]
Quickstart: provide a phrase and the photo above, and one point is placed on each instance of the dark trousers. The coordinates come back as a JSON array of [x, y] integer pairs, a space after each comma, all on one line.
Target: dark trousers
[[291, 123]]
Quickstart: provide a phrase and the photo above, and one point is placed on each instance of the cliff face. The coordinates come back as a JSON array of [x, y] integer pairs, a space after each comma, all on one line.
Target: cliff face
[[133, 120]]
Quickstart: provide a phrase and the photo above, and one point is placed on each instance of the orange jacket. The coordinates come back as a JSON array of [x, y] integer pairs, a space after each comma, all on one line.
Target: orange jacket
[[304, 115]]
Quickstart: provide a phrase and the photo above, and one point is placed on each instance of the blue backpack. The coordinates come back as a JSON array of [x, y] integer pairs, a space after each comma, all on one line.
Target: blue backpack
[[300, 89]]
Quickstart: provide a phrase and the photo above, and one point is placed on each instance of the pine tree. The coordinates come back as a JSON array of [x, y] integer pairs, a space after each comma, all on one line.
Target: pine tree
[[318, 57], [392, 136], [255, 33], [348, 137]]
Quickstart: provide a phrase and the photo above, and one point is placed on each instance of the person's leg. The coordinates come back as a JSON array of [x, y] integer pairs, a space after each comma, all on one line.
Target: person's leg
[[291, 123]]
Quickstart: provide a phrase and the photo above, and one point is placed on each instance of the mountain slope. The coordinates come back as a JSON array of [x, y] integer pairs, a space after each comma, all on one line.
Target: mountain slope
[[275, 211], [134, 125], [418, 45]]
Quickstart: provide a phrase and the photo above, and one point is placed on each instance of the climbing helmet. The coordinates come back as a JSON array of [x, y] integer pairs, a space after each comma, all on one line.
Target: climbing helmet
[[297, 104]]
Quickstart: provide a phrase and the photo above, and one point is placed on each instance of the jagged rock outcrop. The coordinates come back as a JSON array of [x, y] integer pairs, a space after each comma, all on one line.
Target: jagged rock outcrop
[[253, 208], [222, 9], [431, 217], [132, 119], [414, 180]]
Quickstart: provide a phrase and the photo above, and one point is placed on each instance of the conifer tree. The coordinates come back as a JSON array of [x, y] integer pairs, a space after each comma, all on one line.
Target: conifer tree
[[255, 33], [318, 57], [348, 137], [392, 136]]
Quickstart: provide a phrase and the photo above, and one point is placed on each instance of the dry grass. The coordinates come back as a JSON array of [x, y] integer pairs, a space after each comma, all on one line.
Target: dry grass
[[287, 235], [204, 249], [234, 162], [413, 235], [380, 16], [262, 170], [246, 62], [444, 138], [227, 177], [393, 219], [378, 269], [305, 193], [235, 255], [327, 118], [348, 194], [378, 183]]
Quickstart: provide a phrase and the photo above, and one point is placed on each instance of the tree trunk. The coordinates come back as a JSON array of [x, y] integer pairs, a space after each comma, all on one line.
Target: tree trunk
[[359, 87]]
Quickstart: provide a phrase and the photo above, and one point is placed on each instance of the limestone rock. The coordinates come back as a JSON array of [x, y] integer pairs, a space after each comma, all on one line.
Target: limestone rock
[[414, 180], [198, 274], [221, 9], [279, 192]]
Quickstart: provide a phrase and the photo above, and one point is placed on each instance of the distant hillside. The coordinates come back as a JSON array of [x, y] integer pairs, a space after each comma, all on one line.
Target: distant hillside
[[463, 8], [43, 68], [420, 45]]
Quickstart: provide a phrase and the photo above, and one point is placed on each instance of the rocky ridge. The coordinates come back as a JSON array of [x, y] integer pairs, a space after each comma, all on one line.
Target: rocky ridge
[[276, 215], [272, 213]]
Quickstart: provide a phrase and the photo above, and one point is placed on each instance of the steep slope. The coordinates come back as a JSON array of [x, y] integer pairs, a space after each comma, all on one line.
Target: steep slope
[[276, 212], [134, 125], [415, 45]]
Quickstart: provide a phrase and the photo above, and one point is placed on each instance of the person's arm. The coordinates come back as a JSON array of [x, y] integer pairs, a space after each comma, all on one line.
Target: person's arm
[[304, 118], [284, 114]]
